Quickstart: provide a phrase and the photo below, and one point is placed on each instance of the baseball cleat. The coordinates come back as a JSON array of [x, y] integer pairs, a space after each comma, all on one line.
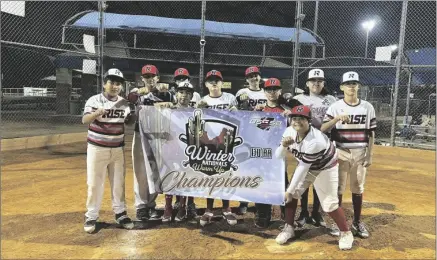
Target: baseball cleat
[[206, 218], [153, 213], [334, 231], [230, 217], [142, 214], [182, 214], [346, 240], [90, 225], [304, 218], [168, 212], [359, 229], [123, 220], [286, 234], [317, 220], [191, 211]]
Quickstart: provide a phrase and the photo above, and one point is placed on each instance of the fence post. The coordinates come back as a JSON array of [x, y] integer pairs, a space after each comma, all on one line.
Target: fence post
[[299, 18], [398, 70], [202, 48], [316, 21], [101, 41]]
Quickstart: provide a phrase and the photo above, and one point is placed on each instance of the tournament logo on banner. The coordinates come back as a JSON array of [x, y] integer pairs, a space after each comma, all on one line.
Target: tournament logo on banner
[[214, 153]]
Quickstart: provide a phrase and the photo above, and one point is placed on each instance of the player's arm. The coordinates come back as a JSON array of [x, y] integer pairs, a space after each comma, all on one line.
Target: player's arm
[[90, 113], [330, 121], [372, 126], [298, 176], [287, 140]]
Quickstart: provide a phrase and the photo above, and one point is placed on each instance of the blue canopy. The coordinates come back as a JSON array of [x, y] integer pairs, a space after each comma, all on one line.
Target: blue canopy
[[192, 27], [424, 56]]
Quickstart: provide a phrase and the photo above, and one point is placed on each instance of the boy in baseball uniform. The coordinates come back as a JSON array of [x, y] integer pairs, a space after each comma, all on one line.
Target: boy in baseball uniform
[[182, 75], [316, 97], [317, 165], [352, 123], [149, 95], [106, 114], [216, 99]]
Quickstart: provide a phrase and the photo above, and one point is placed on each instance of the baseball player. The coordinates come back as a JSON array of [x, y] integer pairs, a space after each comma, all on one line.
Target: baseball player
[[275, 103], [353, 124], [217, 100], [181, 75], [184, 95], [316, 97], [149, 95], [247, 99], [317, 165], [106, 114], [253, 95]]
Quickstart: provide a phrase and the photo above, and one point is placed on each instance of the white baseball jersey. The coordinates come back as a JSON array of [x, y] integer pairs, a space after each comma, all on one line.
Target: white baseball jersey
[[315, 149], [318, 104], [225, 101], [151, 98], [196, 99], [107, 130], [362, 121], [255, 96]]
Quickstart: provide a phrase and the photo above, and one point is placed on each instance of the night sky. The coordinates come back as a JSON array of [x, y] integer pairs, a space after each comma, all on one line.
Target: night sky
[[339, 23]]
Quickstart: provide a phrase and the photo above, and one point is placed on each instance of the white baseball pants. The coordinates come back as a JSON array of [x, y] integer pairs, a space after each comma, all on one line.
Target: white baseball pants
[[143, 198], [326, 185], [102, 160], [351, 164]]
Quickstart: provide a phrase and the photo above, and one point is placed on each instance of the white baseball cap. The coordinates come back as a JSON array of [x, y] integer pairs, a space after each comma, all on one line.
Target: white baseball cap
[[185, 85], [316, 74], [350, 76], [114, 73]]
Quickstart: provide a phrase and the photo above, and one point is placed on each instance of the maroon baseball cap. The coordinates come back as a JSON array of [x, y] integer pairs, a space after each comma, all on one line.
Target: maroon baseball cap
[[272, 83], [149, 69], [251, 70], [181, 72], [301, 110], [214, 73]]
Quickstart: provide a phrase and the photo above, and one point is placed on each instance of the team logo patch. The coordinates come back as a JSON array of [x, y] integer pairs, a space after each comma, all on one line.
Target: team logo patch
[[265, 123], [210, 155], [299, 109]]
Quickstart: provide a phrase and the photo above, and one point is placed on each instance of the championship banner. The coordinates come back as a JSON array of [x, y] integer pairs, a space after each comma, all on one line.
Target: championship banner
[[214, 153]]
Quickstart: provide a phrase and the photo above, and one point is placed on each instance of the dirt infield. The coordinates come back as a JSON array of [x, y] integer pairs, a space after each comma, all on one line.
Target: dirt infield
[[44, 194]]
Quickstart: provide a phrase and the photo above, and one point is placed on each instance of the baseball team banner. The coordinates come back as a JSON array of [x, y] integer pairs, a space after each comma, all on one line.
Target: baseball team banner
[[214, 153]]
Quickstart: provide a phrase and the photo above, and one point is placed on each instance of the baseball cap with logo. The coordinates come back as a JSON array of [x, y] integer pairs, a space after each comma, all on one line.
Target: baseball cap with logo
[[316, 74], [214, 73], [149, 69], [114, 73], [181, 72], [185, 86], [303, 111], [251, 70], [350, 76], [272, 83]]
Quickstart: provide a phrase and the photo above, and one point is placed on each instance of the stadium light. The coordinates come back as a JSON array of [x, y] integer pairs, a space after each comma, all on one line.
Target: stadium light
[[368, 26]]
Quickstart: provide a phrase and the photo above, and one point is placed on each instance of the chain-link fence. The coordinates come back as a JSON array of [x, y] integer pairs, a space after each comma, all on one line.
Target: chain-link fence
[[52, 57]]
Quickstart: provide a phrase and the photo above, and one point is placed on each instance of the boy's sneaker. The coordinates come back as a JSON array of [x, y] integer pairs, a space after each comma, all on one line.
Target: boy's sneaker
[[191, 211], [230, 217], [304, 217], [168, 212], [206, 218], [153, 214], [317, 220], [90, 225], [346, 240], [123, 220], [242, 209], [285, 235], [181, 215], [359, 229], [143, 214], [334, 231]]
